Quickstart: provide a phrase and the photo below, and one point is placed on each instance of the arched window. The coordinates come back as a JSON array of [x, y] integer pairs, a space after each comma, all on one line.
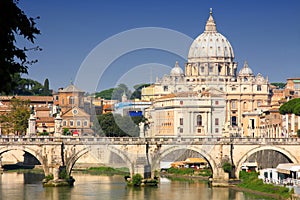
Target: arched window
[[71, 100], [199, 120], [245, 106]]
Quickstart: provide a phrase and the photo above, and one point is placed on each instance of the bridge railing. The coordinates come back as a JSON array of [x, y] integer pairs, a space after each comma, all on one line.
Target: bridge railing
[[149, 140]]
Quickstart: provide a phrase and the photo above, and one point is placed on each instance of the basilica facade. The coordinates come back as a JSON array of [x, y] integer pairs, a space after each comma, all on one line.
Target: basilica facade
[[210, 96]]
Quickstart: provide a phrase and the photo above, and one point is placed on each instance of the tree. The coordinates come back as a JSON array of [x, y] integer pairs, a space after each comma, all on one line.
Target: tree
[[138, 91], [16, 121], [279, 85], [292, 106], [114, 93], [46, 91], [119, 91], [26, 86], [13, 60], [105, 94], [115, 125]]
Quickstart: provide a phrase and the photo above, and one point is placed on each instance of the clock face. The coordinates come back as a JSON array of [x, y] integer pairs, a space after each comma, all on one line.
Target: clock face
[[75, 111]]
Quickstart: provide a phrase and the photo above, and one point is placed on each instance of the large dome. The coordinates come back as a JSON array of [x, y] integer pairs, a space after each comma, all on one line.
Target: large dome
[[210, 44]]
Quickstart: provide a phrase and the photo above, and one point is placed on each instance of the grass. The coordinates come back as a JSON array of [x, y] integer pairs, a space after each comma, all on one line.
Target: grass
[[249, 180], [108, 170], [189, 171]]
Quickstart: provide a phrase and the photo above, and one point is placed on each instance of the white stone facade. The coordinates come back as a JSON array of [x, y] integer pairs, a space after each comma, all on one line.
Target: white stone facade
[[210, 69]]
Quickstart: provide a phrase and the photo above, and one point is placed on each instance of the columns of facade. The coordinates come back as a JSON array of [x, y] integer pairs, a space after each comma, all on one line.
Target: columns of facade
[[298, 117], [228, 110], [293, 123], [239, 104], [287, 123], [192, 123], [207, 122]]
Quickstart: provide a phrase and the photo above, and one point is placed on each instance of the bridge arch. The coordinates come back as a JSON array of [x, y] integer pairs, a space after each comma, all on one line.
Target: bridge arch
[[156, 159], [76, 155], [35, 153], [286, 153]]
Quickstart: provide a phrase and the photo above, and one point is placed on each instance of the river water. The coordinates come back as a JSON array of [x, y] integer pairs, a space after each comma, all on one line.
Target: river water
[[23, 186]]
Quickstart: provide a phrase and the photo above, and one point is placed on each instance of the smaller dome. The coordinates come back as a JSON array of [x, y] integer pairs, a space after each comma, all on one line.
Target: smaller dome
[[245, 71], [176, 71]]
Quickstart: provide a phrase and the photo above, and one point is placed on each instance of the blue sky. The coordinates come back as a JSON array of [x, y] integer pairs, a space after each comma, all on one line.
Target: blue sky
[[265, 33]]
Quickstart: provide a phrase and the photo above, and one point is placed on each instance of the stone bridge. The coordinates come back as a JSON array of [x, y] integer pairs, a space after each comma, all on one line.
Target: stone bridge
[[143, 155]]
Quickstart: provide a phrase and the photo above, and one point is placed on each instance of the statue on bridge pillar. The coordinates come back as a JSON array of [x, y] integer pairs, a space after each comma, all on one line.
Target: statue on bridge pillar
[[142, 129], [31, 125], [58, 126]]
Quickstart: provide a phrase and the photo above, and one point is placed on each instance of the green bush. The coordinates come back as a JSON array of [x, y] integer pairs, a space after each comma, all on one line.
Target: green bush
[[298, 133], [49, 177], [181, 171], [63, 174], [250, 181], [227, 167], [137, 179]]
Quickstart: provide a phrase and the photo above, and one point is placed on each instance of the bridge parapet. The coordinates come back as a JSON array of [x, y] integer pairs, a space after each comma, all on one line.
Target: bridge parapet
[[152, 141]]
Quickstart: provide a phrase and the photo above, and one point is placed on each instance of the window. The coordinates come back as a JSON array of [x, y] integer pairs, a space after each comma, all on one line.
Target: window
[[78, 123], [199, 130], [181, 121], [259, 88], [64, 123], [217, 102], [71, 100], [63, 101], [245, 105], [56, 98], [210, 70], [181, 130], [216, 121], [181, 102], [199, 120], [258, 103], [233, 89], [165, 88], [217, 130], [233, 105], [202, 69], [233, 121], [71, 123]]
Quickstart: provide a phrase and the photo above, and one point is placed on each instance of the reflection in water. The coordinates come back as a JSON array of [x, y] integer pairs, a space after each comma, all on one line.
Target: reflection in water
[[89, 187]]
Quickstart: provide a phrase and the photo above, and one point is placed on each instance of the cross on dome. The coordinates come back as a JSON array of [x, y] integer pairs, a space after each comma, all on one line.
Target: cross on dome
[[210, 24]]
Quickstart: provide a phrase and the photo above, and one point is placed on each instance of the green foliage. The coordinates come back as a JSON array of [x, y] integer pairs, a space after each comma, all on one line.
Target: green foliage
[[292, 106], [26, 87], [13, 59], [63, 174], [45, 90], [49, 177], [43, 134], [279, 85], [227, 167], [138, 90], [250, 181], [66, 131], [105, 94], [137, 179], [16, 121], [108, 170], [298, 133], [181, 171], [119, 91], [117, 126]]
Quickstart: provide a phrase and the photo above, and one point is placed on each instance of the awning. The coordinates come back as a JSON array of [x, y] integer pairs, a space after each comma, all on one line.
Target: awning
[[286, 168]]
